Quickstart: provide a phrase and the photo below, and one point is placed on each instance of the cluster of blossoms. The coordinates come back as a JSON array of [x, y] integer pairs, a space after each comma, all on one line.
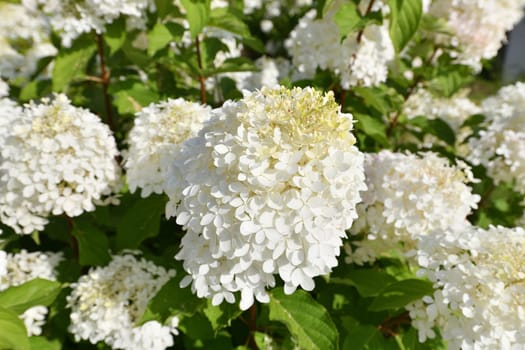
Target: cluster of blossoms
[[268, 186], [16, 269], [479, 281], [454, 110], [501, 147], [155, 137], [21, 49], [478, 27], [360, 59], [273, 9], [72, 18], [107, 303], [55, 159], [408, 197]]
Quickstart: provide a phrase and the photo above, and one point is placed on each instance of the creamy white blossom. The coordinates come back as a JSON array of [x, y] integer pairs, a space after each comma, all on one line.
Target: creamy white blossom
[[478, 276], [314, 43], [24, 39], [267, 75], [454, 110], [478, 27], [4, 89], [501, 147], [9, 112], [155, 136], [72, 18], [361, 59], [408, 196], [22, 267], [107, 303], [369, 57], [56, 159], [268, 186]]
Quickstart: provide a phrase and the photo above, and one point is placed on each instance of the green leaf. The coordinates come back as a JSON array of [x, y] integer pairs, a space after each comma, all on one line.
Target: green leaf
[[170, 300], [162, 34], [164, 8], [198, 15], [141, 221], [35, 89], [372, 127], [13, 334], [399, 294], [42, 343], [451, 80], [220, 316], [115, 35], [404, 21], [436, 127], [198, 327], [381, 98], [229, 20], [368, 282], [359, 335], [307, 320], [131, 95], [347, 18], [32, 293], [235, 64], [93, 244], [474, 120], [71, 63]]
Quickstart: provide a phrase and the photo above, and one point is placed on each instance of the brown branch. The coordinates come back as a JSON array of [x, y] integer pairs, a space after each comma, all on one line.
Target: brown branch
[[391, 325], [252, 324], [104, 80], [201, 76], [342, 98], [73, 239], [368, 9]]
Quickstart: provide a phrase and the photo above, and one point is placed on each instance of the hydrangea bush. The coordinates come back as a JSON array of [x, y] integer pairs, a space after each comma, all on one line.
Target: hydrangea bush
[[243, 174]]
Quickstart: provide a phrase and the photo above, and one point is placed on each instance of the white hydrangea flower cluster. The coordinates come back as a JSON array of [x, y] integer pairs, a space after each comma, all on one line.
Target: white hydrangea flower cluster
[[24, 39], [361, 59], [501, 147], [72, 18], [155, 137], [408, 196], [9, 111], [268, 186], [454, 110], [56, 159], [273, 9], [478, 27], [107, 303], [267, 76], [479, 295], [4, 89], [16, 269]]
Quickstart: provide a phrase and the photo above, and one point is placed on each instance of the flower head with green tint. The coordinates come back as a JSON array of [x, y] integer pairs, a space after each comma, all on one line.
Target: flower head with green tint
[[269, 186]]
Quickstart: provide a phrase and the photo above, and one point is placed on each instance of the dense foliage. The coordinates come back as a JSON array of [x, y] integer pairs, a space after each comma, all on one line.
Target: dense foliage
[[283, 174]]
